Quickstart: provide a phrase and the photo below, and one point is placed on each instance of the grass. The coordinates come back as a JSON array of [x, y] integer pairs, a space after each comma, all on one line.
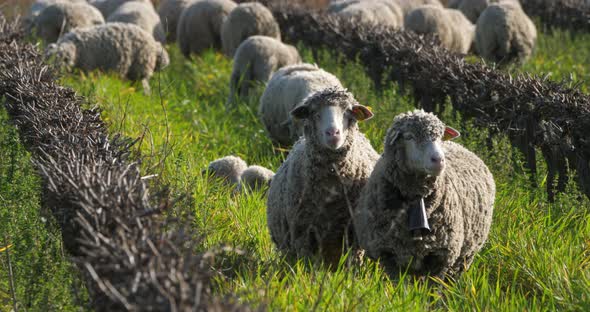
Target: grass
[[43, 277], [537, 256]]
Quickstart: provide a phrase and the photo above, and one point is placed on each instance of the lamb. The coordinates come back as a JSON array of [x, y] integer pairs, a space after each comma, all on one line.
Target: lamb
[[142, 15], [378, 12], [287, 88], [229, 169], [61, 17], [124, 48], [169, 12], [312, 194], [255, 178], [505, 34], [107, 7], [256, 59], [453, 30], [428, 204], [199, 26], [245, 20]]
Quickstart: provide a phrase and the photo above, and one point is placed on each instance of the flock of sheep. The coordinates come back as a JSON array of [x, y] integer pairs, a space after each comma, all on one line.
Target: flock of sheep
[[424, 204]]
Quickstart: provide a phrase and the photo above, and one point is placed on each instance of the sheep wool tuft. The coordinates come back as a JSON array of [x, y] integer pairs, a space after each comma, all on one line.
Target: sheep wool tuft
[[443, 184]]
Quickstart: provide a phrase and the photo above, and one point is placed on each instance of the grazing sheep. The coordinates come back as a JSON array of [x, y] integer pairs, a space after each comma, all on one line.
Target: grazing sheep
[[107, 7], [428, 204], [124, 48], [312, 195], [245, 20], [287, 88], [454, 31], [169, 12], [199, 26], [256, 59], [38, 6], [228, 168], [142, 15], [377, 12], [504, 34], [473, 8], [255, 178], [61, 17]]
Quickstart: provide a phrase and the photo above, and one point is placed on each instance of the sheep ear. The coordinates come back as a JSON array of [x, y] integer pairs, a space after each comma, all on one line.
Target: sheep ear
[[361, 112], [450, 134], [300, 112]]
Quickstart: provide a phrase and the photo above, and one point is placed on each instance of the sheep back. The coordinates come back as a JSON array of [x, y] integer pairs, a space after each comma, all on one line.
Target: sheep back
[[142, 15], [228, 168], [61, 17], [245, 20], [379, 12], [255, 178], [459, 213], [199, 26], [256, 59], [463, 31], [287, 88], [107, 7]]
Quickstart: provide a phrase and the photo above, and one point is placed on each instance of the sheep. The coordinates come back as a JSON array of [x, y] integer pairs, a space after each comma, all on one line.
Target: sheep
[[408, 5], [256, 59], [107, 7], [454, 31], [169, 12], [142, 15], [287, 88], [505, 34], [245, 20], [199, 26], [312, 194], [255, 178], [38, 6], [61, 17], [229, 169], [124, 48], [378, 12], [473, 8], [428, 204]]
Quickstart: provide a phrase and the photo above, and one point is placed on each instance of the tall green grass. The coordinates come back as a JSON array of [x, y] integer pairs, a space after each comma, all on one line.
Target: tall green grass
[[43, 277], [537, 256]]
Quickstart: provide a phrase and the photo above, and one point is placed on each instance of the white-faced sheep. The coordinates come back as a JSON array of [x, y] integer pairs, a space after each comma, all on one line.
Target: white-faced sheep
[[169, 12], [504, 34], [377, 12], [255, 178], [428, 204], [256, 59], [142, 15], [245, 20], [61, 17], [107, 7], [287, 88], [312, 195], [124, 48], [199, 26], [454, 31], [229, 169]]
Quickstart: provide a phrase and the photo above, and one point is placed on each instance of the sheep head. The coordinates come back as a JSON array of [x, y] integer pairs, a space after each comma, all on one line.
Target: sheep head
[[417, 138], [329, 115]]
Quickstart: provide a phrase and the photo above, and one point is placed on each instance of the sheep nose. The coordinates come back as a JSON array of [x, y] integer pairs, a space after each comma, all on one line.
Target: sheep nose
[[437, 159], [333, 132]]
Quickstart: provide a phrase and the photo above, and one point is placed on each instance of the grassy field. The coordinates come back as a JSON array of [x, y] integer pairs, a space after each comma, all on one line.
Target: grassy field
[[537, 256]]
